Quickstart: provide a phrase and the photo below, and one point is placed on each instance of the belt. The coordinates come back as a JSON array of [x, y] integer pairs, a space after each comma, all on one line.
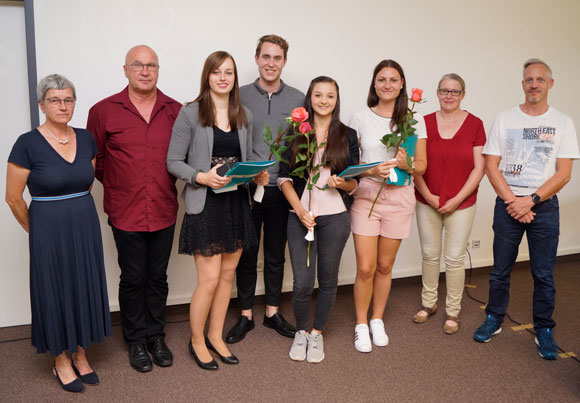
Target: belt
[[63, 197]]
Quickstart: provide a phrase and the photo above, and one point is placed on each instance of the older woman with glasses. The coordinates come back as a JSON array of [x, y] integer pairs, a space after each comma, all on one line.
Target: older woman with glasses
[[68, 290], [447, 193]]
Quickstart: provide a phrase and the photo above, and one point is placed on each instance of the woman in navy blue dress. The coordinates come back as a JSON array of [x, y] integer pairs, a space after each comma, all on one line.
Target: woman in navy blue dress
[[68, 290]]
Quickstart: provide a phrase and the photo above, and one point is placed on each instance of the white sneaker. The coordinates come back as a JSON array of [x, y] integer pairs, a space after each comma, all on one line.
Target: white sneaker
[[315, 348], [362, 338], [380, 337], [298, 349]]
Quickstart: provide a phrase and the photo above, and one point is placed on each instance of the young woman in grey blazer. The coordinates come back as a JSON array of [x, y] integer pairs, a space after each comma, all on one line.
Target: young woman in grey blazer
[[213, 130]]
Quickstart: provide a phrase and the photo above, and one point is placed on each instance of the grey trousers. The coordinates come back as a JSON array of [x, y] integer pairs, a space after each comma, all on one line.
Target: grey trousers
[[330, 235]]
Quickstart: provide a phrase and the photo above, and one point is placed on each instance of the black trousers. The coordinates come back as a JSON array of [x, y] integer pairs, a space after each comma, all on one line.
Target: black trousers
[[143, 259], [272, 214]]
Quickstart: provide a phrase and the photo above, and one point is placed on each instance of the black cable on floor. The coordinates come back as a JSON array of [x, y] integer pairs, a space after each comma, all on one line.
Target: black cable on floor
[[507, 314]]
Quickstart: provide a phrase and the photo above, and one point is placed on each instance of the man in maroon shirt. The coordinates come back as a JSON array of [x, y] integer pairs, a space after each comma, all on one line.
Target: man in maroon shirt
[[132, 130]]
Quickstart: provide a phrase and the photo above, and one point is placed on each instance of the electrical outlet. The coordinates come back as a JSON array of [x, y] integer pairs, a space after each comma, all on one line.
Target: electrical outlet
[[475, 243]]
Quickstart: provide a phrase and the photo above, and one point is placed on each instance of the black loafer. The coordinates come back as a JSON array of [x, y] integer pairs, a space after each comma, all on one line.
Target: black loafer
[[279, 324], [212, 365], [231, 359], [139, 358], [160, 353], [238, 332], [90, 379]]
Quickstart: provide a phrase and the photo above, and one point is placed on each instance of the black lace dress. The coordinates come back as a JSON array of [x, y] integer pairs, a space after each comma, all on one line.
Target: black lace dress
[[225, 224]]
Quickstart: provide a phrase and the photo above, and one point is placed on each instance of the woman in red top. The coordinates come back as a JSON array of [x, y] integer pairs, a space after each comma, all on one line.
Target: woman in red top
[[447, 194]]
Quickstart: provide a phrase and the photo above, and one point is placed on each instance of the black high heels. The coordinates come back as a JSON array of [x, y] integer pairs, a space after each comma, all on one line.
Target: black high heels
[[75, 386], [232, 359], [212, 365], [90, 379]]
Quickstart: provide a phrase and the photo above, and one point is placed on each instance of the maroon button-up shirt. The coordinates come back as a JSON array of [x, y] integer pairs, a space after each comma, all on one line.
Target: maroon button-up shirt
[[140, 194]]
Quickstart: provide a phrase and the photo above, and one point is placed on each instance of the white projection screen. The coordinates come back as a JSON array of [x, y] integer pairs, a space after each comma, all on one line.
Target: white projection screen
[[485, 42]]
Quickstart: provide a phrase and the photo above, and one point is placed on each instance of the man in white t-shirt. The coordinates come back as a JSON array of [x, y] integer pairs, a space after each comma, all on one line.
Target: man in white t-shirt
[[529, 155]]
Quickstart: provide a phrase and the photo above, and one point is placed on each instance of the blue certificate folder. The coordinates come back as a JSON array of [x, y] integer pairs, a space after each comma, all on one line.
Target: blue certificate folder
[[404, 178], [243, 172], [355, 170]]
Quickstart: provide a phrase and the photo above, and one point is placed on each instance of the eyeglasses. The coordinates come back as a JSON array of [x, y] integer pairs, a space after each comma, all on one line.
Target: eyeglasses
[[138, 66], [58, 101], [444, 92]]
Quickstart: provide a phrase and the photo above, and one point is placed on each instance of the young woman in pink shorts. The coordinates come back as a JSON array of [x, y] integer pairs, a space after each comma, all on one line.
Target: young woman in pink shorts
[[377, 238]]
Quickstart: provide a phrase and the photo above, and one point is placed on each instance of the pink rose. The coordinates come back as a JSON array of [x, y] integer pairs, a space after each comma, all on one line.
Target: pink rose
[[299, 115], [305, 126], [416, 94]]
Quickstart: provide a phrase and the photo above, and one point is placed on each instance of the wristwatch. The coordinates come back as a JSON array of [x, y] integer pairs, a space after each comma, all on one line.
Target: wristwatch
[[536, 198]]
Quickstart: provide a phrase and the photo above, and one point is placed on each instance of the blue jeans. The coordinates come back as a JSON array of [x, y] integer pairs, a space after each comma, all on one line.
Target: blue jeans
[[330, 235], [542, 233]]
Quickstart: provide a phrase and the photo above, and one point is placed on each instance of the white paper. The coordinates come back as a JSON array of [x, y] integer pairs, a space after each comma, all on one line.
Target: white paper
[[259, 194]]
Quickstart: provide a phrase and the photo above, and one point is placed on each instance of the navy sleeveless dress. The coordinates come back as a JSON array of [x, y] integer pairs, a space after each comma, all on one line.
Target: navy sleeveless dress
[[68, 290]]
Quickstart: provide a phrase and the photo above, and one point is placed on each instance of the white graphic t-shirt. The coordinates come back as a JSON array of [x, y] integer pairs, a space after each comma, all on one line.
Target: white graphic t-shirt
[[529, 146]]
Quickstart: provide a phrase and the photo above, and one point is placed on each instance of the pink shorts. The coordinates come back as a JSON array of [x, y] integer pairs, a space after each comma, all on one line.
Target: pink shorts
[[392, 214]]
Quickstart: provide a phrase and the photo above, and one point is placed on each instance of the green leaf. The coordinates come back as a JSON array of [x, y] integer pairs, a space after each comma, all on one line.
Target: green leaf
[[309, 186], [409, 161], [290, 137], [303, 145], [267, 133], [413, 122], [281, 149], [299, 169], [316, 177]]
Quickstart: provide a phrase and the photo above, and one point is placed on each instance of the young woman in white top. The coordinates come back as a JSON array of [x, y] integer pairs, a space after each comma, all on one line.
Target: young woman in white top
[[377, 238]]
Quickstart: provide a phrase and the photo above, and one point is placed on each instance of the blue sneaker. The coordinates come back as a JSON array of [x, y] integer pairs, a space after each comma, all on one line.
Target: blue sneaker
[[489, 328], [545, 341]]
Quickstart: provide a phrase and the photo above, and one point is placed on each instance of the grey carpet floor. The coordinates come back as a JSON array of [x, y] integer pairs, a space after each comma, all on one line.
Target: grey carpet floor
[[420, 364]]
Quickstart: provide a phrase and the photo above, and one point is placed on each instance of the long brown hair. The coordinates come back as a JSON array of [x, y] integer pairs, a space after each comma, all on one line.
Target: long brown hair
[[336, 151], [206, 116], [402, 102]]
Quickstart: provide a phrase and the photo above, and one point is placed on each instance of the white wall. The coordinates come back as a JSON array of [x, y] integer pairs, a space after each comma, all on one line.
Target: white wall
[[15, 119], [484, 42]]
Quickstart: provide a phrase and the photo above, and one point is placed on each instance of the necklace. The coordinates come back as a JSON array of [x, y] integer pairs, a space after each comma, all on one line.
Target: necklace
[[63, 142]]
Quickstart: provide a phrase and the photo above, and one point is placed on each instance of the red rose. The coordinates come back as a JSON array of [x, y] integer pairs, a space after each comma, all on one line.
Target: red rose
[[305, 126], [416, 94], [299, 115]]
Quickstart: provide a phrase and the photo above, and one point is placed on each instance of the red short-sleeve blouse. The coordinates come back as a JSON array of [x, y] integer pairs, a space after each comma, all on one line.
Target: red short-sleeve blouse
[[450, 161]]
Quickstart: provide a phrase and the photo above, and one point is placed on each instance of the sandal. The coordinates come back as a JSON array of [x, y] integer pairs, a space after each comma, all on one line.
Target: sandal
[[422, 319], [451, 329]]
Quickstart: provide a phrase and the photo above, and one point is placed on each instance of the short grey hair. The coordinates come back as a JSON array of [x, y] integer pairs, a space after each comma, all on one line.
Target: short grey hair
[[452, 76], [53, 82], [529, 62]]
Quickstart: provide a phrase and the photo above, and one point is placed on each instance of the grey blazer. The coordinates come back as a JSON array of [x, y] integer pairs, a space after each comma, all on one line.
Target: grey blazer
[[190, 151]]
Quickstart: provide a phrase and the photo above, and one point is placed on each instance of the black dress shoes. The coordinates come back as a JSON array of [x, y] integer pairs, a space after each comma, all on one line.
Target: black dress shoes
[[139, 358], [90, 379], [160, 353], [238, 332], [231, 359], [212, 365], [279, 324]]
